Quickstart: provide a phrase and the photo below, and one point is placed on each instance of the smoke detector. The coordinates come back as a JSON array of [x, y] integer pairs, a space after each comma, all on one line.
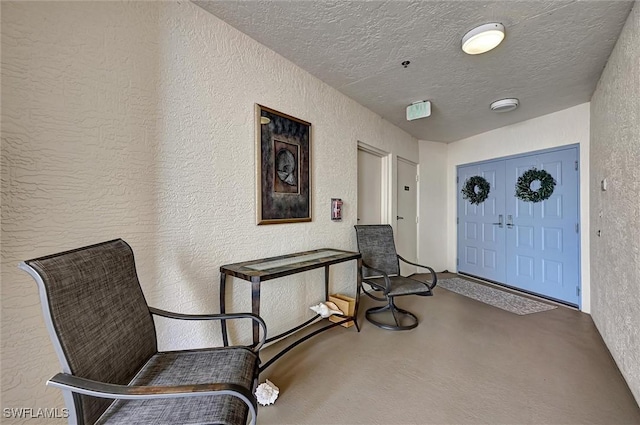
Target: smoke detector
[[505, 105]]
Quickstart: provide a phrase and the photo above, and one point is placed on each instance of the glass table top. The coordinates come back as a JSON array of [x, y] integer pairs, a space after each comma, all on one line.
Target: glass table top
[[270, 268], [266, 265]]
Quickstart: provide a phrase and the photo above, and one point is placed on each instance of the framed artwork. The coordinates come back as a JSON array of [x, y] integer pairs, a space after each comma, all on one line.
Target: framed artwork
[[283, 164]]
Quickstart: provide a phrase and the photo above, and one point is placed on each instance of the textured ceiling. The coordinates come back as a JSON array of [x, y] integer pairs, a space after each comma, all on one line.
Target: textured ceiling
[[551, 58]]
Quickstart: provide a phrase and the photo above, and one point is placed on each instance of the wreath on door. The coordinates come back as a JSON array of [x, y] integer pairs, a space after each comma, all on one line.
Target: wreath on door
[[523, 185], [476, 189]]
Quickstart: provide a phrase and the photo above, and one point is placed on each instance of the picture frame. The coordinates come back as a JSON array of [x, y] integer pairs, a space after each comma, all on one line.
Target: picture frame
[[283, 167]]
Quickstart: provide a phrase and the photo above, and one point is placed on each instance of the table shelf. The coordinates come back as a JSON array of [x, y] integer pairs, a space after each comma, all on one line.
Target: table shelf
[[258, 271]]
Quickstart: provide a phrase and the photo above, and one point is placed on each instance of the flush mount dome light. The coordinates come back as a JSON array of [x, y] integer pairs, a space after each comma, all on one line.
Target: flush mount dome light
[[483, 38], [505, 105]]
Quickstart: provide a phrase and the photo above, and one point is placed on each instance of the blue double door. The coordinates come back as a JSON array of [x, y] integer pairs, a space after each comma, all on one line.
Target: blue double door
[[532, 246]]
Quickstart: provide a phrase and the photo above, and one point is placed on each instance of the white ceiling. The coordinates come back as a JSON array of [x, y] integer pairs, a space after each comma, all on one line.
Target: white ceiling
[[551, 58]]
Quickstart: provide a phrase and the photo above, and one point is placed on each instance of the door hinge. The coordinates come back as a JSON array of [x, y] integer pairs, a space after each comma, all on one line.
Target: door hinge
[[417, 177], [576, 165], [417, 220], [577, 227], [457, 179], [457, 261], [577, 291], [457, 220]]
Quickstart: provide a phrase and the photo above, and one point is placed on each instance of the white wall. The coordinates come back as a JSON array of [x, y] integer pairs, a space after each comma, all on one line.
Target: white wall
[[433, 239], [615, 155], [136, 120], [560, 128]]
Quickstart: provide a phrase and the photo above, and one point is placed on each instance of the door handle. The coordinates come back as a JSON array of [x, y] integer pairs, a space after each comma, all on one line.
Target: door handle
[[509, 221], [399, 218], [499, 223]]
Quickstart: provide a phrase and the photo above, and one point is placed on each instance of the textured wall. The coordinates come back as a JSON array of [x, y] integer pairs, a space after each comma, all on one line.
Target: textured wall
[[560, 128], [615, 155], [79, 159], [136, 120]]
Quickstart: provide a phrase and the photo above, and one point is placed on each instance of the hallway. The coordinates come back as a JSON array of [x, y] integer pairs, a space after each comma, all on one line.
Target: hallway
[[466, 363]]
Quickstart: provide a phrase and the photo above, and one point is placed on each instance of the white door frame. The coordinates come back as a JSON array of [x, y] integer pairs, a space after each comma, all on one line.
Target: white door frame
[[386, 207]]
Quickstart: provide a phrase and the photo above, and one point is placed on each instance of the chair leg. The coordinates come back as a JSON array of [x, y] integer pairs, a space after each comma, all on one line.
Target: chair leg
[[370, 295], [395, 317], [397, 313]]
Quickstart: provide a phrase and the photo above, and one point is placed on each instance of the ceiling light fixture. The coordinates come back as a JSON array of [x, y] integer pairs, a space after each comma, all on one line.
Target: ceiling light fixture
[[505, 105], [483, 38]]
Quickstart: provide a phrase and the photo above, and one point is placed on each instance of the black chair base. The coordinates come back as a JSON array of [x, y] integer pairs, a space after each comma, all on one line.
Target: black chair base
[[398, 316], [381, 270]]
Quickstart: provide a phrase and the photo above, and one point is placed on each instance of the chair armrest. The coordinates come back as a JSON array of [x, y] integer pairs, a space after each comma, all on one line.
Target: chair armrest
[[226, 316], [431, 285], [387, 282], [90, 387]]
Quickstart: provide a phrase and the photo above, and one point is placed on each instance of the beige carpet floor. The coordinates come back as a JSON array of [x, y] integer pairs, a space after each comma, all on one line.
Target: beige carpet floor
[[466, 363]]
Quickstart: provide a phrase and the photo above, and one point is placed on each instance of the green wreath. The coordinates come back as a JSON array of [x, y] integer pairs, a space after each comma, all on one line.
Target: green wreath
[[476, 189], [523, 186]]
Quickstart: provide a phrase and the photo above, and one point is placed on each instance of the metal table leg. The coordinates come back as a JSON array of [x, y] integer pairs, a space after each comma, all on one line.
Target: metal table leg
[[255, 307], [358, 289], [223, 323], [326, 283]]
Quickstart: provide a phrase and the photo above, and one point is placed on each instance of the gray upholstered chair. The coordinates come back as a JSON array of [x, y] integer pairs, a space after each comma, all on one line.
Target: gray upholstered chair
[[105, 338], [381, 271]]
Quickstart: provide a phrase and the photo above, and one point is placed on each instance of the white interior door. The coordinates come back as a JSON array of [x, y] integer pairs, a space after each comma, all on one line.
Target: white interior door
[[370, 179], [407, 214]]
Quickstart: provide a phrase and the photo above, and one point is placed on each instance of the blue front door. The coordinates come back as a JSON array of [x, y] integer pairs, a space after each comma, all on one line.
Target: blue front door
[[542, 237], [481, 231], [533, 246]]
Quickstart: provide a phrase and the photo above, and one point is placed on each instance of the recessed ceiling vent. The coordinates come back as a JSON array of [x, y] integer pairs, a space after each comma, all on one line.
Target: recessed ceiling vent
[[505, 105]]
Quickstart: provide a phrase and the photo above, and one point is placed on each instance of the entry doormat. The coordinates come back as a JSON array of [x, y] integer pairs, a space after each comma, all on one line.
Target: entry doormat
[[502, 299]]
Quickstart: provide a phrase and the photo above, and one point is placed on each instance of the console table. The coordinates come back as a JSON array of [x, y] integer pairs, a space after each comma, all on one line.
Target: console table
[[258, 271]]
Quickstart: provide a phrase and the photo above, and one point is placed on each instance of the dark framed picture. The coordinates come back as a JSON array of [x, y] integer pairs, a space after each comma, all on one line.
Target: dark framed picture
[[283, 162]]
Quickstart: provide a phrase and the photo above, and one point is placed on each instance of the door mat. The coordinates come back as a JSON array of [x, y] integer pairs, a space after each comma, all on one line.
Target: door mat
[[498, 298]]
